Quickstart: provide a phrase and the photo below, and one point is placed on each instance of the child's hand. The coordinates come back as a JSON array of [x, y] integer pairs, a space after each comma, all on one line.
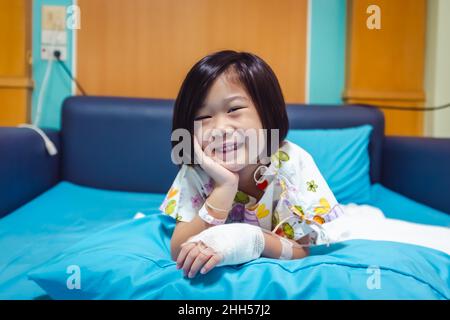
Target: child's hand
[[221, 245], [197, 256], [213, 168]]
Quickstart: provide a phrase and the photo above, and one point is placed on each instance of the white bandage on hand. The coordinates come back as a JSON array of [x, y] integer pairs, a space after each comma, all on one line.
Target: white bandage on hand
[[236, 242]]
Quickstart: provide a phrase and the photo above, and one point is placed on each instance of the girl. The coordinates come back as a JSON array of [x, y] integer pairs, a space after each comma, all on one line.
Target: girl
[[231, 211]]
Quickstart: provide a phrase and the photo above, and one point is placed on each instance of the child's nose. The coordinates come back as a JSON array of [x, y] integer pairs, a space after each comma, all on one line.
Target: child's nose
[[223, 123]]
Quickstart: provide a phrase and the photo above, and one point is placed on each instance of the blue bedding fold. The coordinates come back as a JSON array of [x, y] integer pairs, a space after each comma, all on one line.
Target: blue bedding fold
[[131, 261]]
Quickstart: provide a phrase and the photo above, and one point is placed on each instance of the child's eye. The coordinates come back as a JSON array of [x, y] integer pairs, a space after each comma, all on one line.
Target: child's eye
[[235, 109], [201, 118]]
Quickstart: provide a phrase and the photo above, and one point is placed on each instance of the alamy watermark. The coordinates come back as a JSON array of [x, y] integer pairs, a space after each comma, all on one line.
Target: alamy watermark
[[373, 22], [73, 19], [74, 279], [374, 280]]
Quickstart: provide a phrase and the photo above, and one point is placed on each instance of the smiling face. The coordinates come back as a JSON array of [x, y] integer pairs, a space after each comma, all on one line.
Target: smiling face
[[226, 114], [235, 92]]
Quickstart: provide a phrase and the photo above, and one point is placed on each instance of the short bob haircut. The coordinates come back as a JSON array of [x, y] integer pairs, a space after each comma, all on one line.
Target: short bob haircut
[[256, 77]]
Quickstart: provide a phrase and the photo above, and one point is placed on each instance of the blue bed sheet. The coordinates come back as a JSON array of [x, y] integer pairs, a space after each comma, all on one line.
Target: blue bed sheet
[[131, 260], [68, 213], [55, 220]]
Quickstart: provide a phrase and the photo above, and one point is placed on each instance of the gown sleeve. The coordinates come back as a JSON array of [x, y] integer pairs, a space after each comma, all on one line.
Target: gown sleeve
[[187, 193], [305, 201]]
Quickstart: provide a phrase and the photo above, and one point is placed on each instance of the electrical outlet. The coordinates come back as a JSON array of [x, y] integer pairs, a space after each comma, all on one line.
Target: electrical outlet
[[47, 52], [53, 34]]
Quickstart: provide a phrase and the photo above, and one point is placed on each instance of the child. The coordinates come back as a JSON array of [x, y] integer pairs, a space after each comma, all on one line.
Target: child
[[231, 211]]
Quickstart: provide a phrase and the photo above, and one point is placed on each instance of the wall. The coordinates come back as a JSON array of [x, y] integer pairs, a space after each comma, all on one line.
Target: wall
[[386, 66], [15, 62], [59, 84], [144, 48], [316, 74], [130, 48], [327, 39], [438, 68]]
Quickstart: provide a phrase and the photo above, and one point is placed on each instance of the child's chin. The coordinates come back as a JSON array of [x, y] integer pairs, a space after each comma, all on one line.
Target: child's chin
[[234, 167]]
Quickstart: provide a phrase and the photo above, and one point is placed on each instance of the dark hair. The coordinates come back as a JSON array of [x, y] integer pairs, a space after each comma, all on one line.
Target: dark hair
[[258, 79]]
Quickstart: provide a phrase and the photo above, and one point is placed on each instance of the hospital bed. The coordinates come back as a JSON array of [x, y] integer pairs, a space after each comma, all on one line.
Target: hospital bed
[[73, 212]]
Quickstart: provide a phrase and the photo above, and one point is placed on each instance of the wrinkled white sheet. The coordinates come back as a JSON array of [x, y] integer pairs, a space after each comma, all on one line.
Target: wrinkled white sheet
[[367, 222]]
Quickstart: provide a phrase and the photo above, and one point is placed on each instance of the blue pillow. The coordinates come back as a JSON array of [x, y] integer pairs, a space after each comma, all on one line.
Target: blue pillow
[[342, 156], [131, 260]]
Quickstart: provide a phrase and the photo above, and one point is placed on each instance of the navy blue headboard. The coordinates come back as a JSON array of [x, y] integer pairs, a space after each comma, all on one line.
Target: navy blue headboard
[[124, 143], [118, 143]]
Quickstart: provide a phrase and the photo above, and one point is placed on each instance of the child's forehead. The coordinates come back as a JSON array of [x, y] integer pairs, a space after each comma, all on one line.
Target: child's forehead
[[225, 90]]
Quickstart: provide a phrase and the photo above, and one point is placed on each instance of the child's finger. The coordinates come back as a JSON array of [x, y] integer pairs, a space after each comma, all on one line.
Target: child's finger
[[211, 263], [202, 257], [190, 257], [186, 247], [198, 152], [201, 155]]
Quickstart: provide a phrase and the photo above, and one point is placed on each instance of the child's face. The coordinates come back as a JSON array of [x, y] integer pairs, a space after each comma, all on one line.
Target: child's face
[[227, 112]]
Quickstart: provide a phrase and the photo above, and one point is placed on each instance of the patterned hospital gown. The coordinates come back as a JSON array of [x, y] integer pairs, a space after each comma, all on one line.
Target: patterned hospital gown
[[295, 203]]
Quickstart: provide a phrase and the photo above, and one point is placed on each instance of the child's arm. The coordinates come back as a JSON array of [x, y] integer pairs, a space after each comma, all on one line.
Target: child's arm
[[272, 248], [225, 188], [221, 197], [198, 255]]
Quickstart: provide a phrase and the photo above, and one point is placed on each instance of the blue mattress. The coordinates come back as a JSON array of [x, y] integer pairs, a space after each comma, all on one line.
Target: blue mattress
[[396, 206], [66, 214]]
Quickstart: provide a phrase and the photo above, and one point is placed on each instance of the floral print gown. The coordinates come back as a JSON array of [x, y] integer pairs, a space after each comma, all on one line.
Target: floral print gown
[[295, 203]]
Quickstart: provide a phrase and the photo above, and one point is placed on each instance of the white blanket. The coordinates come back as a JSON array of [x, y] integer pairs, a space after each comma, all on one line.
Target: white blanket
[[367, 222]]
